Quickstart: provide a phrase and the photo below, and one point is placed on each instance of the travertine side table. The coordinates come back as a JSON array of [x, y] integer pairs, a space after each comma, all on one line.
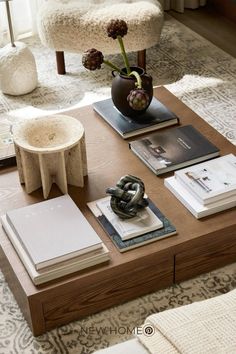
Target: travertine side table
[[50, 150]]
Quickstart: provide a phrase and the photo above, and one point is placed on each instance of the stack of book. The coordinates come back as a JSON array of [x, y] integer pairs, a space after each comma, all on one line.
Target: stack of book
[[53, 239], [148, 226], [206, 188]]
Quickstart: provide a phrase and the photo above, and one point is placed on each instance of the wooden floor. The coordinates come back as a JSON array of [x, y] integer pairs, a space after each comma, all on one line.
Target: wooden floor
[[211, 25]]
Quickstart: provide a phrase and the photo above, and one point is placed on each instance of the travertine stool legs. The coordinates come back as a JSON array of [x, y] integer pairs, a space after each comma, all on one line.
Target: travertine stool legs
[[50, 150]]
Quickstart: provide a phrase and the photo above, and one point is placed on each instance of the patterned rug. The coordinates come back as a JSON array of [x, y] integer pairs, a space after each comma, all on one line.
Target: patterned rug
[[200, 74], [197, 72]]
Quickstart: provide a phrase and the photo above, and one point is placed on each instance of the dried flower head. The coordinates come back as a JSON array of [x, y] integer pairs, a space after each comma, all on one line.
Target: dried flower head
[[138, 99], [117, 28], [92, 59]]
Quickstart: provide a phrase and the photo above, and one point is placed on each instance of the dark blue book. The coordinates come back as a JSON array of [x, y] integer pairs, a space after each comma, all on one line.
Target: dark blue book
[[157, 116], [167, 230]]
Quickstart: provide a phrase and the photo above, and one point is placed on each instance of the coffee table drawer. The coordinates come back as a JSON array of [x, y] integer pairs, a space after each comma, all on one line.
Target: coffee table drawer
[[108, 290], [208, 256]]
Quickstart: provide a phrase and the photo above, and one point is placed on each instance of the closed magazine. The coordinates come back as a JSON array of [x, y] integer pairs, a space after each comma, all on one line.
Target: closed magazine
[[157, 116], [167, 230], [210, 181], [192, 204], [173, 148]]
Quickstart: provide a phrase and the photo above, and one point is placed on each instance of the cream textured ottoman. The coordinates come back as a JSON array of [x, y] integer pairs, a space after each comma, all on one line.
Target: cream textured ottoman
[[77, 25], [207, 326]]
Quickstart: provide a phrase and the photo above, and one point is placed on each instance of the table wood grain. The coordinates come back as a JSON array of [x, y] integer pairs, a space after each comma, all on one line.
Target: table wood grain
[[199, 246]]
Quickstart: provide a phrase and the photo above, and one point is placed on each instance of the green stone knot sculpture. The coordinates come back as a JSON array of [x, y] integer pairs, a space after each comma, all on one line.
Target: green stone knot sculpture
[[127, 198]]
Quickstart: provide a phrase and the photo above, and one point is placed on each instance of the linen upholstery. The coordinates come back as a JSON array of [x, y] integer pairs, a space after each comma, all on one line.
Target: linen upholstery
[[207, 327]]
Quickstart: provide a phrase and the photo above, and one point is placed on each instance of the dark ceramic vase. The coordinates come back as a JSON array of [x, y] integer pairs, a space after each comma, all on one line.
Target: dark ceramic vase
[[121, 87]]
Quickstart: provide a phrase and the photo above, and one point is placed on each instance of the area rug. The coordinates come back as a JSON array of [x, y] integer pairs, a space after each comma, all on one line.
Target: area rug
[[201, 75]]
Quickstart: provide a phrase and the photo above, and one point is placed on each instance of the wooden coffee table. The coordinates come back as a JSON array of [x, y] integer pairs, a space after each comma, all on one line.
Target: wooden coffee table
[[201, 245]]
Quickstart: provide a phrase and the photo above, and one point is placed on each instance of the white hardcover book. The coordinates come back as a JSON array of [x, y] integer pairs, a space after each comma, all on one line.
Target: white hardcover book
[[192, 204], [55, 271], [145, 221], [210, 181], [53, 231]]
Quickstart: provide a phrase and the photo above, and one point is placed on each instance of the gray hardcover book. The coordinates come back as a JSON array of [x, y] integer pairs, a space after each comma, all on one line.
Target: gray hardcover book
[[53, 231], [167, 230]]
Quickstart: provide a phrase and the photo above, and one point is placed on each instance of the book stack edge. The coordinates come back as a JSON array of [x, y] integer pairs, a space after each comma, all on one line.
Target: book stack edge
[[57, 246], [206, 188], [162, 229]]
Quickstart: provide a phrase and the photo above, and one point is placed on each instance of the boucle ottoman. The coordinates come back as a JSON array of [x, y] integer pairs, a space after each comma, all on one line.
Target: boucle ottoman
[[207, 326], [77, 25]]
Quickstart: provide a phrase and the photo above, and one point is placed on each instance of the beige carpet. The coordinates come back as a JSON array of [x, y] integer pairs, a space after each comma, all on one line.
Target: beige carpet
[[204, 77], [192, 68]]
